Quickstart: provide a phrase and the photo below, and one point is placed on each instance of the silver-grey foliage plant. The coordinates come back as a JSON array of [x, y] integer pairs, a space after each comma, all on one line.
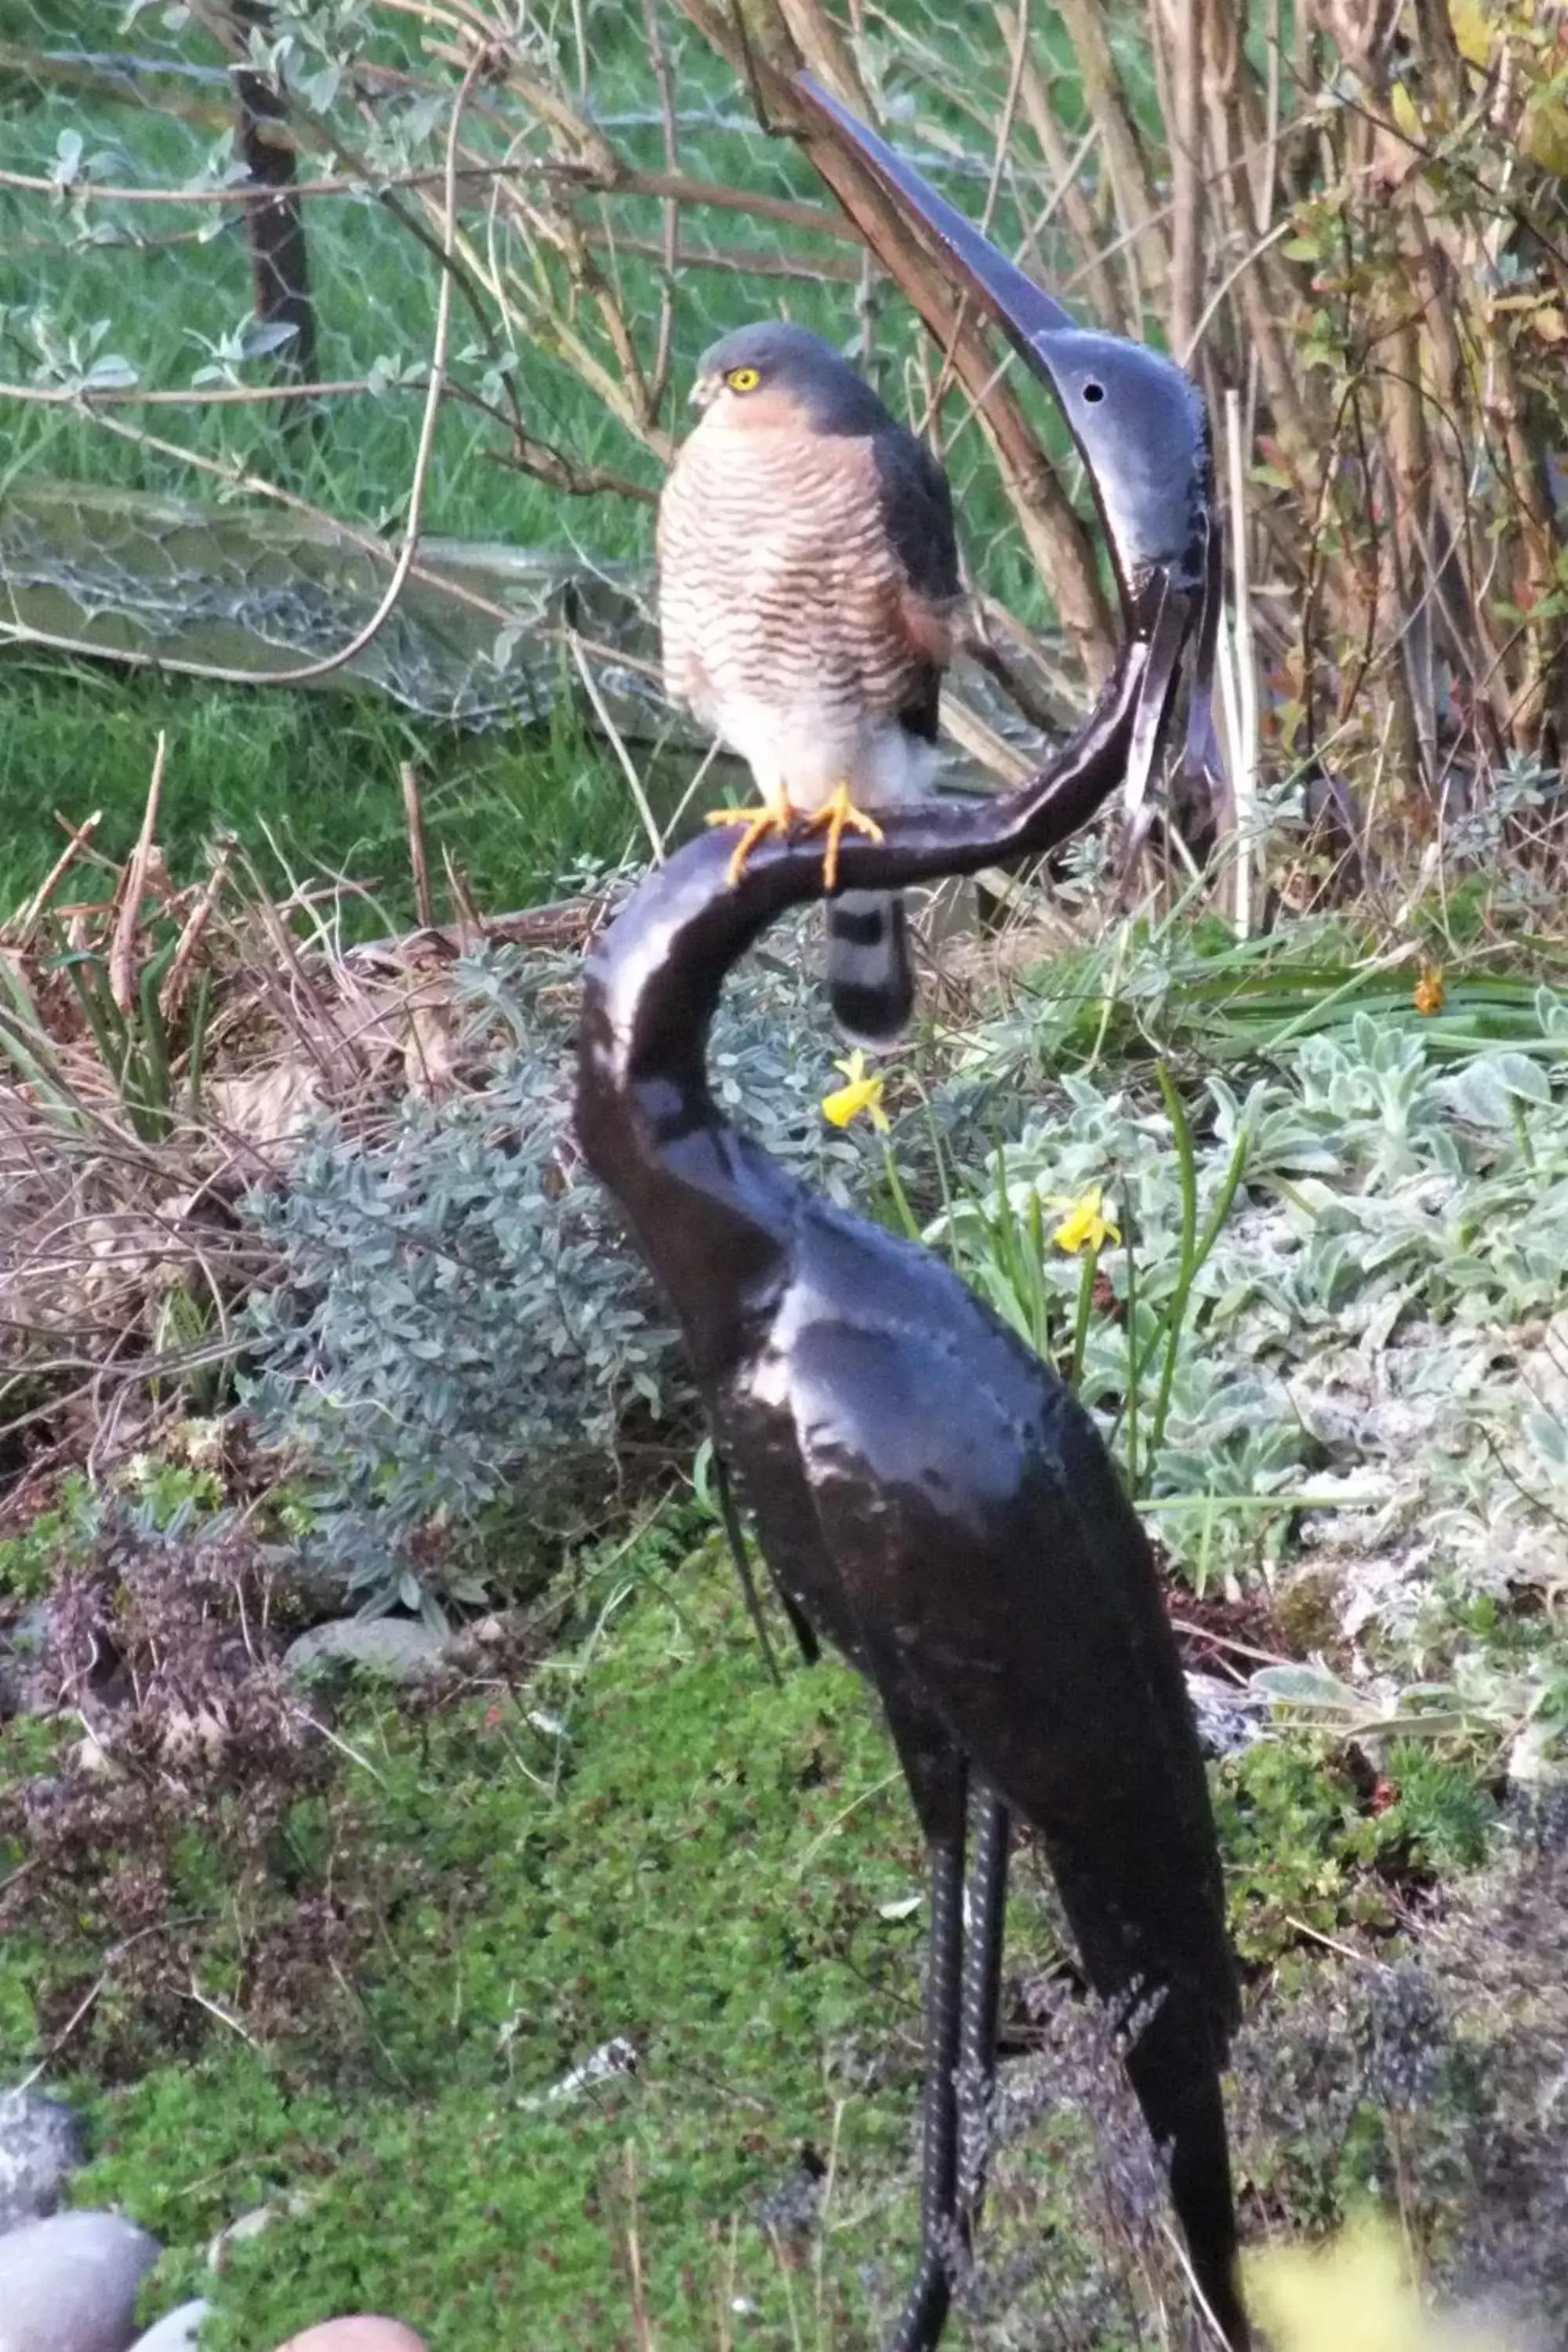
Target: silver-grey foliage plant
[[458, 1329]]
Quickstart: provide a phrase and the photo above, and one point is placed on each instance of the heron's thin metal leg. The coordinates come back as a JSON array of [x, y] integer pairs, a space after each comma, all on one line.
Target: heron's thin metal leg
[[981, 2000], [925, 2313]]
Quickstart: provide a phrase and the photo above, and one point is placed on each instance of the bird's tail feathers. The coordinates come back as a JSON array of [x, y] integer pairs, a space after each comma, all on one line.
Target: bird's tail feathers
[[871, 974], [1175, 2069]]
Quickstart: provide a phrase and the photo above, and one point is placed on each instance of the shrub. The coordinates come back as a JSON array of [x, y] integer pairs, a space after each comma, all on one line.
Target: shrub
[[459, 1337]]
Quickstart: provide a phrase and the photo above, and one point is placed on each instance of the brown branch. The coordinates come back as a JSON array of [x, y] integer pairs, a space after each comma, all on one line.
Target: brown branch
[[678, 187], [659, 380], [1058, 160], [418, 862], [133, 884], [1180, 38], [1131, 184]]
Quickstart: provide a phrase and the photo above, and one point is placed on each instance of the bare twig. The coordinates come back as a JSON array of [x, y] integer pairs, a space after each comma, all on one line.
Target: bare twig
[[27, 922], [628, 766], [193, 932]]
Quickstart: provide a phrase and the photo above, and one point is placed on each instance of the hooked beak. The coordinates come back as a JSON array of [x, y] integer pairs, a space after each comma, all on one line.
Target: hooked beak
[[1160, 524], [704, 391]]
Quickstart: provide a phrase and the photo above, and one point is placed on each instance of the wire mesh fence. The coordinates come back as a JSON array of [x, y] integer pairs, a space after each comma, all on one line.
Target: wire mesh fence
[[233, 380], [296, 291]]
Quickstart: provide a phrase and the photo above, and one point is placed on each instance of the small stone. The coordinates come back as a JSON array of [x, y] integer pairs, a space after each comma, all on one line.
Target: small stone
[[358, 2333], [69, 2284], [399, 1648], [41, 2146], [1230, 1720], [177, 2331], [250, 2225]]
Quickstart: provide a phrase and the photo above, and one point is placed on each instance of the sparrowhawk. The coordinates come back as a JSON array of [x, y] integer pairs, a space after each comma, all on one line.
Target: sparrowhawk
[[808, 585]]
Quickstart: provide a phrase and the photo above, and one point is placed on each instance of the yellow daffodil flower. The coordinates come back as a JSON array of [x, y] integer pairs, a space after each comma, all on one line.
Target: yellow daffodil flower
[[1430, 995], [1353, 2296], [860, 1093], [1085, 1224]]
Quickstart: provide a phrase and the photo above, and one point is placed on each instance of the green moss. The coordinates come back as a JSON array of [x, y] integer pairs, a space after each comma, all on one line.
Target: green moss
[[1448, 1815], [646, 1839], [30, 1560], [1300, 1854], [698, 1863], [1306, 1611]]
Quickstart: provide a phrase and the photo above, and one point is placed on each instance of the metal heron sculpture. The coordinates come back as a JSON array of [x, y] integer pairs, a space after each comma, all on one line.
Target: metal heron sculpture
[[929, 1495]]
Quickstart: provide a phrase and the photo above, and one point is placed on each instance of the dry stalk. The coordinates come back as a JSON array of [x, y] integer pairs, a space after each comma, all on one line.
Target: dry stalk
[[193, 935], [1180, 50], [19, 933], [133, 887], [1116, 309], [418, 864], [1144, 235]]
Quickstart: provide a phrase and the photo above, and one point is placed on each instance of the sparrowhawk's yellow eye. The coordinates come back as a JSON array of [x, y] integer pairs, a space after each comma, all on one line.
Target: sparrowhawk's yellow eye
[[744, 379]]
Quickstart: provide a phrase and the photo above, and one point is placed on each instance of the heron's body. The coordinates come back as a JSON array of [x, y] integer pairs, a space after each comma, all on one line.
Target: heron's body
[[808, 575], [929, 1494]]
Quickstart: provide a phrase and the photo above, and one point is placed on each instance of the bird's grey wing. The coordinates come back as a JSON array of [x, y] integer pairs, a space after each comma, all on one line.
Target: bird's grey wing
[[915, 500], [972, 1516]]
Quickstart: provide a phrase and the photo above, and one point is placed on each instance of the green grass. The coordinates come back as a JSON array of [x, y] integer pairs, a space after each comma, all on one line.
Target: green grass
[[308, 783]]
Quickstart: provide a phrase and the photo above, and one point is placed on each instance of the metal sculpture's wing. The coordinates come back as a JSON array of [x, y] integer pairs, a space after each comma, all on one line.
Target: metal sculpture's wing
[[970, 1511], [968, 1506]]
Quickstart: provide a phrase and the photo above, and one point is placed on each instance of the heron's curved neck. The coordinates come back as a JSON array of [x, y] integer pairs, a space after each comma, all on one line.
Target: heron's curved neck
[[711, 1209]]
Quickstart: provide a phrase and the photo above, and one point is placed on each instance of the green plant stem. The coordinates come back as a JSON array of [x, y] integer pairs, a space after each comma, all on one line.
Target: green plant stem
[[1086, 1281], [938, 1159], [1196, 1248], [1175, 1314], [195, 1057], [1034, 1263], [900, 1198], [1130, 1408]]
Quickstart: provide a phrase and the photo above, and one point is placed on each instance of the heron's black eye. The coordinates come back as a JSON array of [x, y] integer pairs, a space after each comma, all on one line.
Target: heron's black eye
[[1093, 391]]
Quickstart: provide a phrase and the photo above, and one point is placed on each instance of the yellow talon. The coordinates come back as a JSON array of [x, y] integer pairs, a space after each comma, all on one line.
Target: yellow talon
[[759, 822], [839, 815]]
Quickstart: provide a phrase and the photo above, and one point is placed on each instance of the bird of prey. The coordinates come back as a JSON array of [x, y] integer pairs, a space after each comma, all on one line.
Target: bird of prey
[[808, 584]]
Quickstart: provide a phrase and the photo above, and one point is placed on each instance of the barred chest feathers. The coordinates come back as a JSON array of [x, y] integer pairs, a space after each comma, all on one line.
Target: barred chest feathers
[[780, 597]]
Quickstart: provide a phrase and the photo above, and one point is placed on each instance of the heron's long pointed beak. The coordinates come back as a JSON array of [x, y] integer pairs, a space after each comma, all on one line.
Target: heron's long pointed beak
[[1024, 311], [1167, 624], [1144, 442]]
